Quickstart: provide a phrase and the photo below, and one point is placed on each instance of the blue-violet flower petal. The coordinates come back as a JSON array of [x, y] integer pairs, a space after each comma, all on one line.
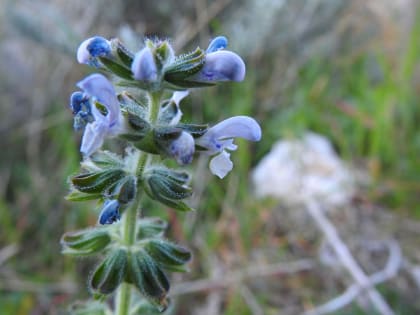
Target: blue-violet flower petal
[[99, 89], [221, 165], [219, 138], [144, 66], [182, 149], [218, 43], [93, 47], [110, 212], [221, 65]]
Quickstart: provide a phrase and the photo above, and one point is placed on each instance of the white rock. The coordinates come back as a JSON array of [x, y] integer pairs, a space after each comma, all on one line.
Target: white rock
[[304, 168]]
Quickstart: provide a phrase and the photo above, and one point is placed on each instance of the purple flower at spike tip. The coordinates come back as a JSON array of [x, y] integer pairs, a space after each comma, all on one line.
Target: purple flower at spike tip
[[220, 64], [92, 48], [144, 66], [100, 90], [219, 138]]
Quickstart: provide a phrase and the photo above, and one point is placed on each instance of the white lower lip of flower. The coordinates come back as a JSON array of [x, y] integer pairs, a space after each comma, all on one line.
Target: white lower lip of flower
[[221, 165]]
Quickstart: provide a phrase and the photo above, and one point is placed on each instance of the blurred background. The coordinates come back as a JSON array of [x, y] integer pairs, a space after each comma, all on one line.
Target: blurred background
[[325, 204]]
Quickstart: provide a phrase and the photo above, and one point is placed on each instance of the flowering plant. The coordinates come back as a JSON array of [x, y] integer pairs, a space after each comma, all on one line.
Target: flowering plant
[[133, 252]]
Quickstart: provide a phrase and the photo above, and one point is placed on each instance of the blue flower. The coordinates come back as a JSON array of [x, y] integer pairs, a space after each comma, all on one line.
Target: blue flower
[[110, 212], [182, 148], [99, 89], [219, 64], [219, 138], [218, 43], [92, 48], [144, 66], [81, 108]]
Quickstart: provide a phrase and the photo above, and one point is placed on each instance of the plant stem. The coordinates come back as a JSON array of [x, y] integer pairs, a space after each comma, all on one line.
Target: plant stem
[[154, 99], [130, 216], [129, 237]]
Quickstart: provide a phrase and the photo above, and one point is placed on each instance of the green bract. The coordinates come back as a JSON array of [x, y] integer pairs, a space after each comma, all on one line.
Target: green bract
[[97, 182], [85, 242], [168, 187], [150, 280], [109, 273], [150, 227], [168, 255]]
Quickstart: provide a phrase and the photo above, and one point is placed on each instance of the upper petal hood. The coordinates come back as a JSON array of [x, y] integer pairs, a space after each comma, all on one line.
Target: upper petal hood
[[99, 87]]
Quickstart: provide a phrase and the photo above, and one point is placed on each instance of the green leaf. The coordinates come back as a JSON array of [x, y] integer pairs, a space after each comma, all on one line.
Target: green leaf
[[76, 195], [132, 105], [125, 55], [106, 159], [116, 68], [194, 130], [185, 66]]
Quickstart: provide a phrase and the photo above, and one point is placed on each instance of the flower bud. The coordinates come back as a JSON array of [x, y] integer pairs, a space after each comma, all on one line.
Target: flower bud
[[110, 212], [110, 272], [85, 242], [182, 149], [93, 47], [127, 190], [164, 53], [176, 143], [144, 66]]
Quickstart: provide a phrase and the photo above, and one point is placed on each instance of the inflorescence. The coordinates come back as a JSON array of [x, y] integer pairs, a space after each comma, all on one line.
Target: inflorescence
[[142, 107]]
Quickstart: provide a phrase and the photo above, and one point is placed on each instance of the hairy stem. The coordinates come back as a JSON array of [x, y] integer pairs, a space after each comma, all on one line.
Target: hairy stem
[[130, 216]]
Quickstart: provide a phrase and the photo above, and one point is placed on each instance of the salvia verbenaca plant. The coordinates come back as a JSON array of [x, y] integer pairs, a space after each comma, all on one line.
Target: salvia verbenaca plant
[[142, 107]]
